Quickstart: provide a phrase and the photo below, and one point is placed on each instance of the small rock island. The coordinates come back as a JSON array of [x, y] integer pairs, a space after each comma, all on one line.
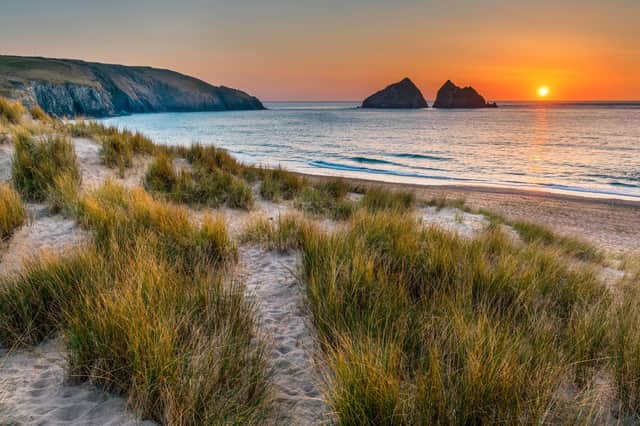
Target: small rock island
[[452, 96], [402, 95]]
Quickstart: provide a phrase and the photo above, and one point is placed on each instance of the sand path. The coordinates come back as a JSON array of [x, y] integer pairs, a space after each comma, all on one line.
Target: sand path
[[270, 281]]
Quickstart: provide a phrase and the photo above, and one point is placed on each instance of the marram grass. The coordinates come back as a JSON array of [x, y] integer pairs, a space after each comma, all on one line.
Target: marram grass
[[420, 326], [37, 163], [149, 311], [12, 211], [11, 111], [207, 184]]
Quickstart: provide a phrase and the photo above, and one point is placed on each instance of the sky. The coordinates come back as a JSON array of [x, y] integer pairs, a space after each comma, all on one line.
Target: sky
[[331, 50]]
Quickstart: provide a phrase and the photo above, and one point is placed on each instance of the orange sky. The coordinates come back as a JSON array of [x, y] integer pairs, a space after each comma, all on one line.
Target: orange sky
[[344, 50]]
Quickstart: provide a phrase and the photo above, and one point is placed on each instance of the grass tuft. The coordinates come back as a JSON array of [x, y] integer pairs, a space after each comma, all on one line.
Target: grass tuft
[[201, 186], [117, 146], [278, 184], [12, 211], [328, 199], [38, 162], [38, 113], [33, 301], [285, 234], [118, 214], [181, 346], [380, 199], [11, 111]]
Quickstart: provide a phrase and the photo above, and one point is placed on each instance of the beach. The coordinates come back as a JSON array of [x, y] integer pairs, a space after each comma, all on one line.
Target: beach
[[300, 390]]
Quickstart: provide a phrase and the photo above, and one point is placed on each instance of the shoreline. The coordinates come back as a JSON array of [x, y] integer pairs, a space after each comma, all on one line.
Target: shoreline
[[609, 223], [451, 188]]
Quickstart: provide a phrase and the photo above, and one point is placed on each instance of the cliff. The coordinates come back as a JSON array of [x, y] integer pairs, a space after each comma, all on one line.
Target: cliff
[[64, 87], [403, 94], [452, 96]]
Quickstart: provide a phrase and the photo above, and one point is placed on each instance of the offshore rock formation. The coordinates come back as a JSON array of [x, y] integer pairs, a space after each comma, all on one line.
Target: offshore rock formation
[[452, 96], [64, 87], [403, 94]]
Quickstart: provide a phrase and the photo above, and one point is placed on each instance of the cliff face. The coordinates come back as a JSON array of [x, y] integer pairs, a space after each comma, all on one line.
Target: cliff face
[[71, 88], [452, 96], [403, 94]]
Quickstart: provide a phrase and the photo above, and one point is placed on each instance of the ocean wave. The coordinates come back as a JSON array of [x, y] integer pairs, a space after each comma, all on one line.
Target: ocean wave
[[372, 161], [345, 167], [624, 185], [419, 156]]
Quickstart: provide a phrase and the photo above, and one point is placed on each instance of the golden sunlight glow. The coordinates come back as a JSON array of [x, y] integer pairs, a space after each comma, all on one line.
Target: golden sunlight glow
[[543, 91]]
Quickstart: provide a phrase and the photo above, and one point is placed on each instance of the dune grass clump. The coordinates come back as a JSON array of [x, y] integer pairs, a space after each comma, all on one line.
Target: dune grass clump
[[116, 153], [421, 326], [119, 147], [279, 184], [528, 231], [327, 199], [181, 346], [210, 187], [11, 112], [33, 301], [212, 158], [118, 214], [135, 141], [285, 234], [379, 199], [38, 114], [38, 162], [442, 201], [12, 211], [88, 129]]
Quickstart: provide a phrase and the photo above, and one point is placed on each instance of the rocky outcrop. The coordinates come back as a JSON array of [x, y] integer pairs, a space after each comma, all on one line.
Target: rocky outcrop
[[69, 88], [403, 94], [452, 96]]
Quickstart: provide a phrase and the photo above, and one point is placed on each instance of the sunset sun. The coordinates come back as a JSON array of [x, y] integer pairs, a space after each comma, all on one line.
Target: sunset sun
[[543, 91]]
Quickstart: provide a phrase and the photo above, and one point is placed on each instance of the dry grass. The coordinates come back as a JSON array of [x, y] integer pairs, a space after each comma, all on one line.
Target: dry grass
[[285, 234], [11, 112], [423, 327], [206, 185], [37, 163], [379, 199], [38, 114], [327, 199], [278, 184], [12, 211], [149, 311]]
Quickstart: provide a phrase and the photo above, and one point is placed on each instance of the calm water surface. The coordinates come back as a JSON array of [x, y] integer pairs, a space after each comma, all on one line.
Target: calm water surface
[[584, 149]]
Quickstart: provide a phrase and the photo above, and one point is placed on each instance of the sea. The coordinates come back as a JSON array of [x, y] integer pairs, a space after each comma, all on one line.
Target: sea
[[586, 149]]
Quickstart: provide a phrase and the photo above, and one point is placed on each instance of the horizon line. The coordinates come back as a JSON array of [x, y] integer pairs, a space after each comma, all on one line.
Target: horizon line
[[541, 101]]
